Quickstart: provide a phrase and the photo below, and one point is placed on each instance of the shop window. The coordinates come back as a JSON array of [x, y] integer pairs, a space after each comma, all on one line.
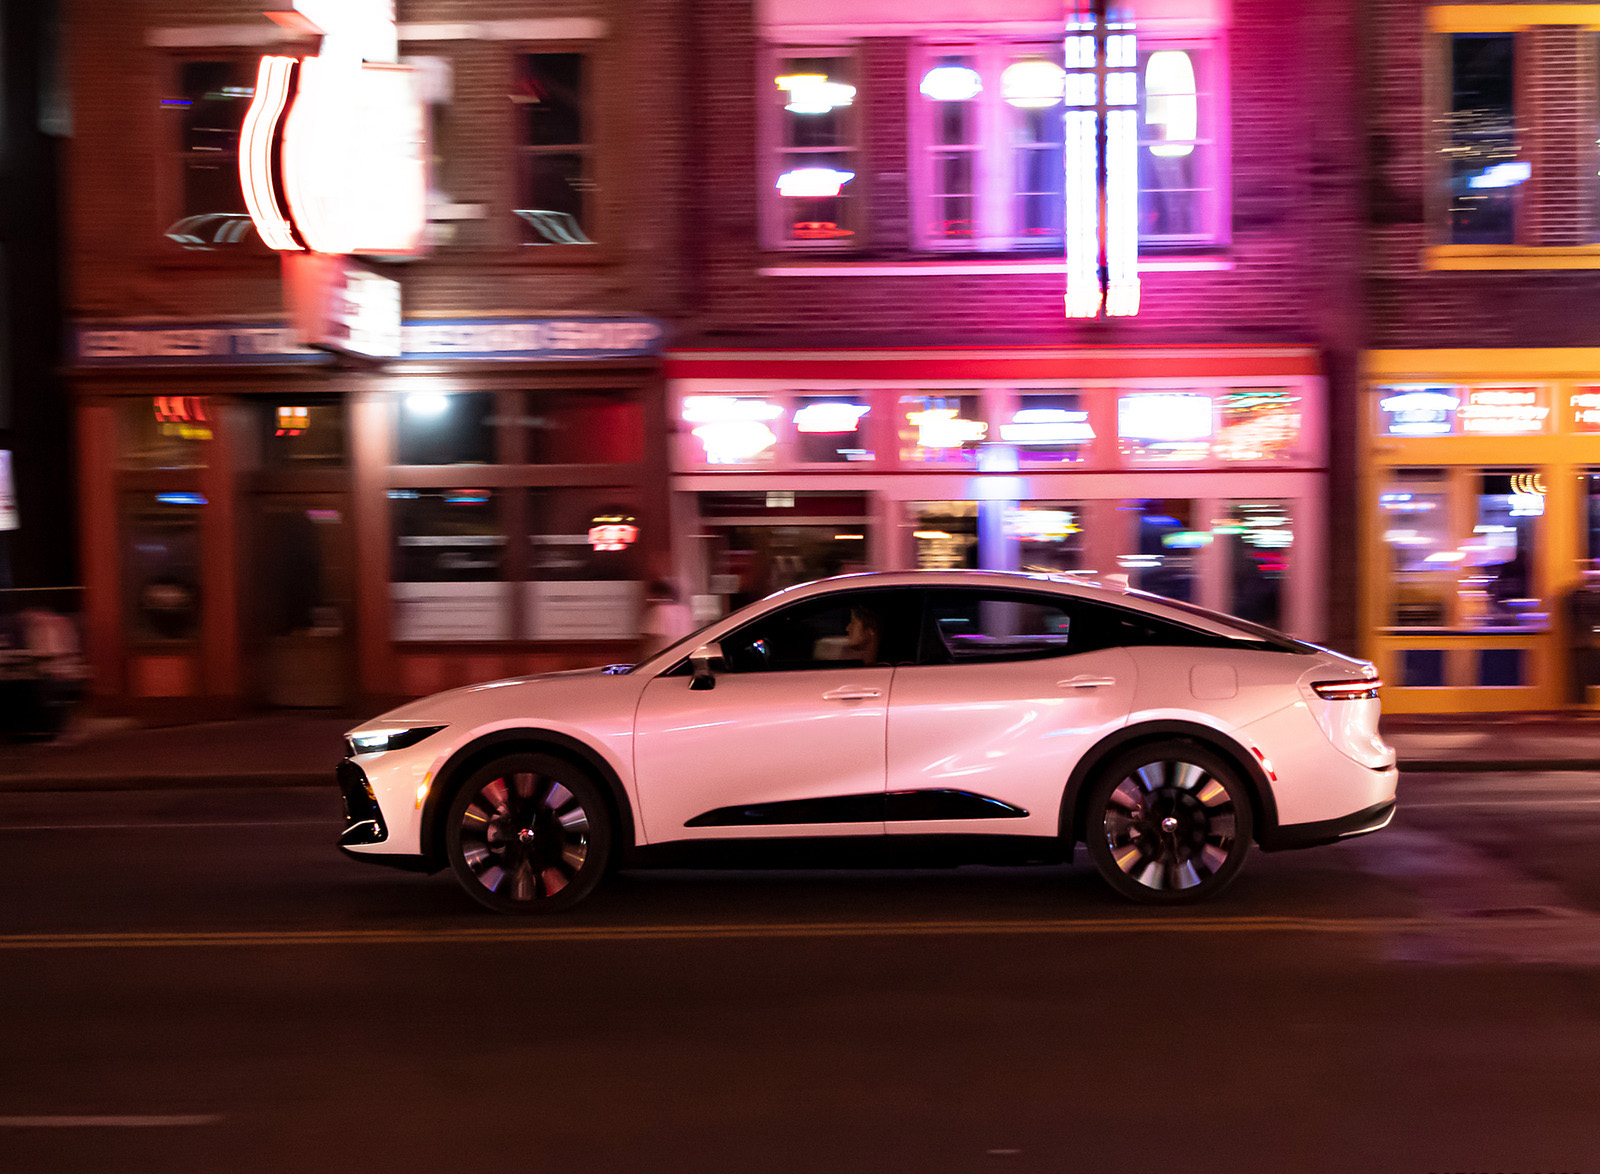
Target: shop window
[[585, 565], [208, 102], [1480, 139], [1165, 427], [1048, 536], [1414, 518], [942, 429], [448, 565], [1049, 428], [733, 429], [1164, 541], [945, 533], [303, 434], [991, 168], [161, 566], [832, 429], [1257, 537], [584, 428], [1422, 668], [555, 193], [435, 428], [1418, 409], [814, 179], [1502, 667], [1498, 564], [166, 431], [758, 543], [1257, 424]]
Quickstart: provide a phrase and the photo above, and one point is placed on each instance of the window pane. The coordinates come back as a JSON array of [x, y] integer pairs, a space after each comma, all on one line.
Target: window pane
[[732, 430], [585, 565], [1031, 87], [941, 429], [1481, 139], [1178, 160], [1257, 424], [211, 102], [161, 566], [1165, 541], [1048, 428], [1165, 426], [967, 626], [165, 432], [303, 434], [1497, 583], [945, 533], [816, 157], [437, 429], [554, 182], [447, 565], [758, 543], [863, 629], [584, 428], [1258, 536], [831, 429], [1048, 534], [1413, 513]]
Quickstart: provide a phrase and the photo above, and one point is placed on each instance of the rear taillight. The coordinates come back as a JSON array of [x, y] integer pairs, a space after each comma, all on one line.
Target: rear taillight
[[1363, 690]]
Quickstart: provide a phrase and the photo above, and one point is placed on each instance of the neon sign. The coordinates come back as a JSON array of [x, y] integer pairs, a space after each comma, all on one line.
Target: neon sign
[[1102, 220], [1504, 411], [332, 155], [814, 93], [612, 532], [830, 418], [1420, 411], [1047, 426], [813, 182], [945, 428]]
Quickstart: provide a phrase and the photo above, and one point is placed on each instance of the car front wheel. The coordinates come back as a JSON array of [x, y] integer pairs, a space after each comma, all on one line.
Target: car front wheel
[[528, 833], [1168, 823]]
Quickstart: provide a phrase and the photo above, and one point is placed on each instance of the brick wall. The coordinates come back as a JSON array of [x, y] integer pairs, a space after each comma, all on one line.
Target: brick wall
[[122, 167], [1411, 306]]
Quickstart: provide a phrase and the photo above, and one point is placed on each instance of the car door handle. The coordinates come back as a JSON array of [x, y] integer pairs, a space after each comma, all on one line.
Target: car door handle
[[1086, 682], [851, 693]]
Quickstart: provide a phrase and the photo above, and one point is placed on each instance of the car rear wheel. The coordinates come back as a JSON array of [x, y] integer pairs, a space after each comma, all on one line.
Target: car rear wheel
[[1168, 823], [528, 833]]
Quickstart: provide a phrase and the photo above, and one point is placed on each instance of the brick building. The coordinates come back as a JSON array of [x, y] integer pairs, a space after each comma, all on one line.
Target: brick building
[[1480, 411], [878, 370], [267, 524]]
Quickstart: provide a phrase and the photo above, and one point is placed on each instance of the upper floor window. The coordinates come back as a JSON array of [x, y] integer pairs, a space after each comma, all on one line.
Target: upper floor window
[[814, 171], [987, 134], [208, 100], [1481, 141], [555, 182]]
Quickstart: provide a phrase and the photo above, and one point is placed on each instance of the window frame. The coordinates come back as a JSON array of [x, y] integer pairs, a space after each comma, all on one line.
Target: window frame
[[593, 113], [770, 106]]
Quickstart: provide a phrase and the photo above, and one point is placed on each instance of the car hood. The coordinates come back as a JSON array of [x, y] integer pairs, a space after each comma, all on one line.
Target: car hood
[[559, 694]]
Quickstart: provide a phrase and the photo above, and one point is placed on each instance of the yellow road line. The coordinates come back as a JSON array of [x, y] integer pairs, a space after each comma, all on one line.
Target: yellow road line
[[710, 932]]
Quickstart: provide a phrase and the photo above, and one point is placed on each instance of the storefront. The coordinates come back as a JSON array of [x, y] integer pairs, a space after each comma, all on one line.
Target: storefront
[[263, 525], [1199, 473], [1482, 492]]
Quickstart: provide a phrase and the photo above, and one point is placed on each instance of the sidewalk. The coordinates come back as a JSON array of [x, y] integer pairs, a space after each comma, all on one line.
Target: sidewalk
[[299, 749]]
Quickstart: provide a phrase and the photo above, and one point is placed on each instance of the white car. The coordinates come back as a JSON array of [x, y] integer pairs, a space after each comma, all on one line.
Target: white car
[[968, 715]]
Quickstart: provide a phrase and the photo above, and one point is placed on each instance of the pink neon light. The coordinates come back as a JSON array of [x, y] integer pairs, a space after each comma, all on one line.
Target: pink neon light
[[258, 139]]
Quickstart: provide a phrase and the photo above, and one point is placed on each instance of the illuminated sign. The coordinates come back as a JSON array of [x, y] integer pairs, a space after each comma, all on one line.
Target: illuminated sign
[[831, 418], [1040, 525], [184, 416], [814, 93], [1505, 411], [1584, 405], [292, 421], [332, 154], [342, 305], [945, 428], [953, 83], [1047, 426], [9, 520], [612, 532], [1101, 220], [1419, 410], [1164, 417], [1033, 85], [731, 429], [813, 182]]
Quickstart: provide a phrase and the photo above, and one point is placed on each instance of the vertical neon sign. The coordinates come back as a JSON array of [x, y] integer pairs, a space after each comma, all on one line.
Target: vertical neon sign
[[1102, 163]]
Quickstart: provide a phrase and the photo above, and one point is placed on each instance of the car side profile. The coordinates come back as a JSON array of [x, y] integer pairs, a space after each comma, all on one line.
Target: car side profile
[[960, 715]]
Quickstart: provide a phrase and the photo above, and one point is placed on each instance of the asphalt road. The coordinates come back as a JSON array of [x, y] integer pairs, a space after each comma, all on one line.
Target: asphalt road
[[196, 981]]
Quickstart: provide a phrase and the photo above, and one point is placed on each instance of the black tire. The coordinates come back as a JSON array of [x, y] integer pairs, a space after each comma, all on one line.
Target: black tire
[[528, 833], [1168, 823]]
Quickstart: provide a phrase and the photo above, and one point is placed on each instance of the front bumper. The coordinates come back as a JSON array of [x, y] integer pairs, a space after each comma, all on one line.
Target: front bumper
[[363, 822]]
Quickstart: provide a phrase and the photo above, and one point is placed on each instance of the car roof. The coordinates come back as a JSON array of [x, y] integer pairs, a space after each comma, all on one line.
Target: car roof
[[1115, 592]]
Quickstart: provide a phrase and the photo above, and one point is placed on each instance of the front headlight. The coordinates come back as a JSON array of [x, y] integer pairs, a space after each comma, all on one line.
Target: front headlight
[[378, 741]]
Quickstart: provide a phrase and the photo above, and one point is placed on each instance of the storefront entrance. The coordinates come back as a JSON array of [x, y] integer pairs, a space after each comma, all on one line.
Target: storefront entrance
[[302, 599]]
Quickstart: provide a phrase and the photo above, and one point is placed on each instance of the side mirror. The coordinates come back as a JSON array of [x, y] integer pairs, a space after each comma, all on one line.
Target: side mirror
[[701, 661]]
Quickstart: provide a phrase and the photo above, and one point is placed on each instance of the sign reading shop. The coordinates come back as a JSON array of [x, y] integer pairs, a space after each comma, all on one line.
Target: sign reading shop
[[524, 339]]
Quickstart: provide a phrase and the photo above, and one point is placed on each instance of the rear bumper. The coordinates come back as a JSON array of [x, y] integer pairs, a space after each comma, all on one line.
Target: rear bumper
[[1328, 831]]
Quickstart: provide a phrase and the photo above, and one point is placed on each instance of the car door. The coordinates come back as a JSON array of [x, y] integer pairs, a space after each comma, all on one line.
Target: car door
[[789, 740], [1009, 689]]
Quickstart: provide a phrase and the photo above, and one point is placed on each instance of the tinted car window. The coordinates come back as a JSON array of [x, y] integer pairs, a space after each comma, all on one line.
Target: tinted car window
[[974, 627], [844, 630]]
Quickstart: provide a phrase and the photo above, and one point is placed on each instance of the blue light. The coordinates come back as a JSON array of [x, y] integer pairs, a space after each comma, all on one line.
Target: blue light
[[181, 499], [1502, 175]]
